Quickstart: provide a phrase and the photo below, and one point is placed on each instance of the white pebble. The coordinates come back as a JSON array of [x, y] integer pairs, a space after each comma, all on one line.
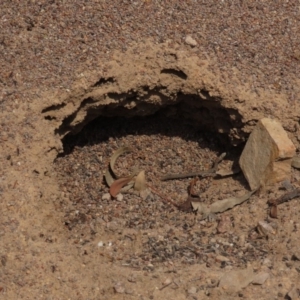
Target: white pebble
[[106, 196], [190, 41], [100, 244], [120, 197], [192, 290]]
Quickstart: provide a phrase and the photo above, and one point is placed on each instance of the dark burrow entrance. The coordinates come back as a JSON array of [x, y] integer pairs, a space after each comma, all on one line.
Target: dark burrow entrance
[[142, 231]]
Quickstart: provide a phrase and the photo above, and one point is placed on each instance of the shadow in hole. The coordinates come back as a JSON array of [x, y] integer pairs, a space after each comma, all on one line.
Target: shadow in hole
[[103, 128]]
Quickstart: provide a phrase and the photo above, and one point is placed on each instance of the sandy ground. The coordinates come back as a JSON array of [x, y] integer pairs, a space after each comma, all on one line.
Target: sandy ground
[[65, 64]]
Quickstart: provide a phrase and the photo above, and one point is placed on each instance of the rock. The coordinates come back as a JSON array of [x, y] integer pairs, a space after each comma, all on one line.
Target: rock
[[168, 281], [221, 258], [146, 194], [260, 278], [190, 41], [235, 280], [293, 293], [265, 229], [296, 162], [242, 239], [119, 288], [192, 290], [100, 244], [120, 197], [106, 196], [268, 154], [267, 262], [224, 224]]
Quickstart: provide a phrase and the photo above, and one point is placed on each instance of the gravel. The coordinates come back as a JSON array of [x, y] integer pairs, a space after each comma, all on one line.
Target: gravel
[[159, 146], [41, 41]]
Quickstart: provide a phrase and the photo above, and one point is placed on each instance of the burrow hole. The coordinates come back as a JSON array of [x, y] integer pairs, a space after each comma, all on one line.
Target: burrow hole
[[162, 143]]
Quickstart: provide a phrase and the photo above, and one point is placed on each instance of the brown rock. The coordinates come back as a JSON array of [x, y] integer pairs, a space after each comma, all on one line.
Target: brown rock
[[267, 156]]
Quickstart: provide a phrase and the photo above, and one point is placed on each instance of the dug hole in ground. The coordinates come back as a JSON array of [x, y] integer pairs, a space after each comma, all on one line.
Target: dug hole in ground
[[65, 236]]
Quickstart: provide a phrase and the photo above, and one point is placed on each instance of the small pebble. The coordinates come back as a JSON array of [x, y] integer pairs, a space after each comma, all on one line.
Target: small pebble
[[242, 240], [190, 41], [192, 290], [267, 262], [222, 258], [100, 244], [167, 281], [146, 194], [132, 278], [293, 294], [129, 292], [106, 196], [120, 197], [119, 288], [260, 278]]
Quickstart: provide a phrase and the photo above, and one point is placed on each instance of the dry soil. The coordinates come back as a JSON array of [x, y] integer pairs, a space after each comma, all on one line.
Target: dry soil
[[80, 79]]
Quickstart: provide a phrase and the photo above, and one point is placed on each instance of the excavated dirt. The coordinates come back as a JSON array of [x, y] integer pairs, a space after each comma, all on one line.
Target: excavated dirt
[[80, 80]]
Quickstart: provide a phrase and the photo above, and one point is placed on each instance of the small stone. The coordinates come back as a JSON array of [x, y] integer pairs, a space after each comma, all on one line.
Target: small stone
[[296, 162], [132, 278], [167, 282], [265, 229], [267, 156], [242, 239], [190, 41], [119, 288], [221, 258], [106, 196], [100, 244], [235, 280], [267, 262], [260, 278], [293, 293], [129, 292], [120, 197], [224, 224], [192, 290], [146, 194]]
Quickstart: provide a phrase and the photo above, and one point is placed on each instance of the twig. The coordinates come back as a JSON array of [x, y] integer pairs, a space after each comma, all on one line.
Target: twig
[[208, 173], [285, 197]]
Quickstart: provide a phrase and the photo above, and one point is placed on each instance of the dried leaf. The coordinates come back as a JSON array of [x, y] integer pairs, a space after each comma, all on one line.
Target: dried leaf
[[118, 184], [140, 182], [220, 206], [110, 173], [108, 177], [115, 156]]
